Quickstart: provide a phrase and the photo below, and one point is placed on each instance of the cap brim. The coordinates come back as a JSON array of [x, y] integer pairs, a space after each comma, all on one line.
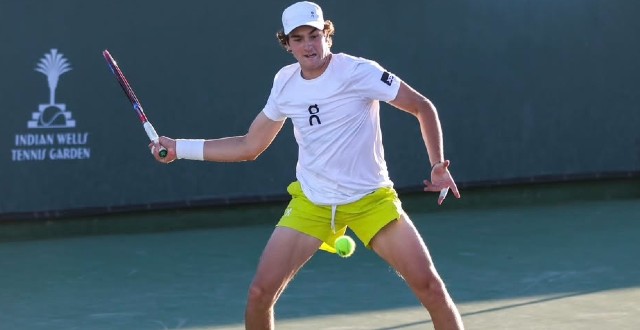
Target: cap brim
[[316, 24]]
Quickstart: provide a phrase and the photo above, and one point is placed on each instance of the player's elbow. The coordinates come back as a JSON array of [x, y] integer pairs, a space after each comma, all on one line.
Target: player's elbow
[[414, 104], [423, 108], [252, 156], [248, 155], [251, 151], [423, 105]]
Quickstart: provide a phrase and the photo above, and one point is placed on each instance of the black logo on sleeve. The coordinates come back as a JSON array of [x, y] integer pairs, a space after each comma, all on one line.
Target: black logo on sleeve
[[387, 78], [313, 111]]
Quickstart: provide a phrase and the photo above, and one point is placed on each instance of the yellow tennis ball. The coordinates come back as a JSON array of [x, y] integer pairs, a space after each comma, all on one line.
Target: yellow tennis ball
[[345, 246]]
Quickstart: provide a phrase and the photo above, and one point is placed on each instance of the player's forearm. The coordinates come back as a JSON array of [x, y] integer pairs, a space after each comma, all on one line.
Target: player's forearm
[[230, 149], [431, 131]]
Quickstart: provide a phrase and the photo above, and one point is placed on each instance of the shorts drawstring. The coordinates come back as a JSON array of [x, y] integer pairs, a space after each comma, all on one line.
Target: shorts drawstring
[[333, 217]]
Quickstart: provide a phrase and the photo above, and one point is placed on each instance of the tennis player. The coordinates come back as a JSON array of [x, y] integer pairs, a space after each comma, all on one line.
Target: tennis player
[[342, 178]]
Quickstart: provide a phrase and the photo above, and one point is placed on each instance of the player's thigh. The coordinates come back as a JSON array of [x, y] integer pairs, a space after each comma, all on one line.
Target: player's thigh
[[400, 245], [286, 251]]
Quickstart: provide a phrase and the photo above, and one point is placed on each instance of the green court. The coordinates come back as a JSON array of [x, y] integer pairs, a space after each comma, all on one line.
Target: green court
[[540, 263]]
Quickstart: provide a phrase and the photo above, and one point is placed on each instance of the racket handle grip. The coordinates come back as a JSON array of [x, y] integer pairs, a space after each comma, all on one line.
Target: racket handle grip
[[444, 192], [153, 136]]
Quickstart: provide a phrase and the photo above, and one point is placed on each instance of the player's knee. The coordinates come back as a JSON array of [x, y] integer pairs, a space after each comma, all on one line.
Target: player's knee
[[260, 296], [431, 289]]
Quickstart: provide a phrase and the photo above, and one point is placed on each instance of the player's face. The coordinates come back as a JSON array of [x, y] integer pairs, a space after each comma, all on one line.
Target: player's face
[[309, 46]]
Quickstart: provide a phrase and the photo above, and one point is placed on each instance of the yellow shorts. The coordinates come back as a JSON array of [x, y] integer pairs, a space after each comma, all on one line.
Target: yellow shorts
[[365, 217]]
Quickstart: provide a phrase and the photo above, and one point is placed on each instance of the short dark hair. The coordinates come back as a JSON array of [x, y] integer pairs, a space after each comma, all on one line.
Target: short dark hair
[[329, 30]]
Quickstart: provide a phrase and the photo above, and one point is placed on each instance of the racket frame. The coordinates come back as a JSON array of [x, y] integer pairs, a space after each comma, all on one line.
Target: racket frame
[[133, 98]]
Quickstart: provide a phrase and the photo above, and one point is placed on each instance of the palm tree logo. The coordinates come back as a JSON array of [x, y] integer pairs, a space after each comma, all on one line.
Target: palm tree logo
[[52, 114]]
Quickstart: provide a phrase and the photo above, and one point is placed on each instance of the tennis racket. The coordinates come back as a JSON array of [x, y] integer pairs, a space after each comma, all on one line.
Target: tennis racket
[[122, 80]]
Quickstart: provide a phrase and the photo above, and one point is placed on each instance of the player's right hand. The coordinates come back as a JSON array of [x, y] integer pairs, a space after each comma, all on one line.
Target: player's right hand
[[167, 143]]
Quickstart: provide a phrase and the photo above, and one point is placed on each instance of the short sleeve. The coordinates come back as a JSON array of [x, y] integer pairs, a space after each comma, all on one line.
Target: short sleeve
[[372, 81], [271, 108], [271, 111]]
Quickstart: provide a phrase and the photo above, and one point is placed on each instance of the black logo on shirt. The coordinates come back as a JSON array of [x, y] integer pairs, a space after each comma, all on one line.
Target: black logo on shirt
[[387, 78], [313, 110]]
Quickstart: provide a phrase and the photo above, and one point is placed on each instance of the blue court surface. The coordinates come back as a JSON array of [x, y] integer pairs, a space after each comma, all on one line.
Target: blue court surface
[[565, 265]]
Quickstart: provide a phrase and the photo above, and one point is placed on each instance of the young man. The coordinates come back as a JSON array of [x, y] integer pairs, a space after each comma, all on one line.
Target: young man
[[342, 178]]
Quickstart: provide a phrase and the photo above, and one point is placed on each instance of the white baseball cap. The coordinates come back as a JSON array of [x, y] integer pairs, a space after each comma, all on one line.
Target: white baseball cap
[[302, 13]]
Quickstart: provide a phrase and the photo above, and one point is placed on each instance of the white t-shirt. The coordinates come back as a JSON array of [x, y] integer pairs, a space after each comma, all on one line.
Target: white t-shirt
[[336, 123]]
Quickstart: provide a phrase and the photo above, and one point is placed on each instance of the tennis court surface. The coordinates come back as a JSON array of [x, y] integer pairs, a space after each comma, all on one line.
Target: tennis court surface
[[563, 265]]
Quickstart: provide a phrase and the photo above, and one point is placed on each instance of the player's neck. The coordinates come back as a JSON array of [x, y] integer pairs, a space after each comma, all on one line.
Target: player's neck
[[309, 74]]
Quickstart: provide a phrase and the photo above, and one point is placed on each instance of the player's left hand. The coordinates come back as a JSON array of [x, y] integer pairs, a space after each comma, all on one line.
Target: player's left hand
[[441, 181]]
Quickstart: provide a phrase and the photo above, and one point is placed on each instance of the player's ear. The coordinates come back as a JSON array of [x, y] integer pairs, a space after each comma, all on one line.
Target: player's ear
[[287, 45]]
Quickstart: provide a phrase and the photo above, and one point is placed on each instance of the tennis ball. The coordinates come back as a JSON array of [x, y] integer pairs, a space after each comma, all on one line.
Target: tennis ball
[[345, 246]]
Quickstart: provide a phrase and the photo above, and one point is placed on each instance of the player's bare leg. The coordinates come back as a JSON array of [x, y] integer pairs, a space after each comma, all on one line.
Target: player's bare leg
[[400, 244], [285, 253]]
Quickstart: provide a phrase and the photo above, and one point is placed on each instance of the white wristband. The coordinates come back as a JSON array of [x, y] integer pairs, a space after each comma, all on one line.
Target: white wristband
[[190, 149]]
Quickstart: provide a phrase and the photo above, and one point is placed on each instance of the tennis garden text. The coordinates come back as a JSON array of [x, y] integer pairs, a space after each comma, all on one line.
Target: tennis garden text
[[52, 146]]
